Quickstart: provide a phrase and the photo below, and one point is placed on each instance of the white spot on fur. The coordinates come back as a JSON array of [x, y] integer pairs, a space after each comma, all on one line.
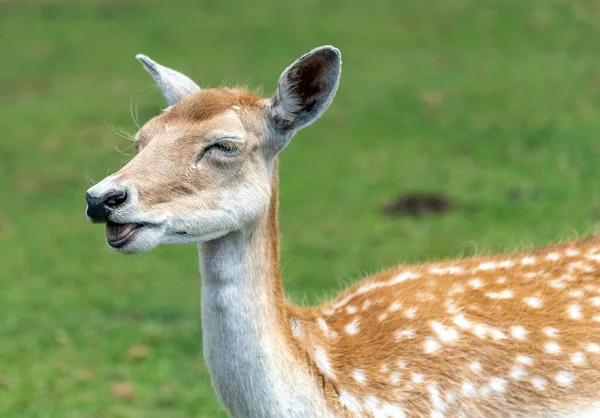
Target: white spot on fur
[[528, 261], [593, 348], [457, 288], [501, 280], [498, 384], [323, 363], [564, 378], [552, 347], [386, 410], [488, 265], [504, 294], [366, 304], [395, 306], [476, 283], [349, 402], [323, 325], [480, 330], [553, 256], [394, 378], [574, 311], [497, 334], [462, 322], [359, 376], [468, 389], [518, 373], [445, 334], [431, 345], [439, 406], [571, 252], [518, 332], [410, 313], [581, 266], [437, 270], [455, 270], [379, 409], [526, 360], [405, 334], [506, 264], [351, 309], [550, 332], [475, 367], [539, 383], [593, 257], [402, 277], [417, 377], [557, 284], [578, 358], [595, 301], [576, 294], [533, 301], [382, 317], [352, 327]]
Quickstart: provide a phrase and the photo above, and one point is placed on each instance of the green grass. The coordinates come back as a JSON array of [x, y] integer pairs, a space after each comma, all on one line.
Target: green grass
[[472, 98]]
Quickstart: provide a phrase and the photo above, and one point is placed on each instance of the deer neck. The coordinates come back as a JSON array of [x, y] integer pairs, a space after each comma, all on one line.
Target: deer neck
[[254, 366]]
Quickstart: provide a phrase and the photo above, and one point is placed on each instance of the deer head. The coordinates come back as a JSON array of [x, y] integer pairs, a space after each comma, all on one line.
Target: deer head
[[205, 166]]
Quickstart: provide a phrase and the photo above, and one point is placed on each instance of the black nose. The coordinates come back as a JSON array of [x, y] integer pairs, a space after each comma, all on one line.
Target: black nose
[[99, 207]]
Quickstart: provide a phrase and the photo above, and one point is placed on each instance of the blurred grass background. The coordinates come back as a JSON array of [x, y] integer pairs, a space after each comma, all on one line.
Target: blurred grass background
[[493, 103]]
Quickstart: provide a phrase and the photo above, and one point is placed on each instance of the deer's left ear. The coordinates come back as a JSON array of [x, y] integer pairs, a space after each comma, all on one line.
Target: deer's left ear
[[306, 89], [173, 85]]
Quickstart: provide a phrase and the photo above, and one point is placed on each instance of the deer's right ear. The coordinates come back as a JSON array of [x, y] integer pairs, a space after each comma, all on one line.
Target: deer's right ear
[[306, 89], [173, 85]]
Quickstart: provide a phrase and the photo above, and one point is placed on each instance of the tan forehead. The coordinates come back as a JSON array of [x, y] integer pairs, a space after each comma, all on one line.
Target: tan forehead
[[205, 112], [209, 103]]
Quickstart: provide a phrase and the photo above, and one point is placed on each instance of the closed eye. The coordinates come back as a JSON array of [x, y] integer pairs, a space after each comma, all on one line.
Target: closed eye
[[222, 148], [225, 146]]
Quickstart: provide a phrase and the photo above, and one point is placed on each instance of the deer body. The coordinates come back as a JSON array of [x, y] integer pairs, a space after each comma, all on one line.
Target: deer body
[[509, 335]]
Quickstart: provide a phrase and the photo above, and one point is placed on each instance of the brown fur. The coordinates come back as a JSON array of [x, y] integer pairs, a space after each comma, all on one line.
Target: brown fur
[[209, 103], [374, 344]]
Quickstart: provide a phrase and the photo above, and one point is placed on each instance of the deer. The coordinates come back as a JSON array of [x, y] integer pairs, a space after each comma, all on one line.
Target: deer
[[515, 334]]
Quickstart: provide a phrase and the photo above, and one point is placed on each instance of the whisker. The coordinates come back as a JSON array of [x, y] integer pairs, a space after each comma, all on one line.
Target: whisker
[[134, 115], [87, 175], [121, 132], [123, 151]]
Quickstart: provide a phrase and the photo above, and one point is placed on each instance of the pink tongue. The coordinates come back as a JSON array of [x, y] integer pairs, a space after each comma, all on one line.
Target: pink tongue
[[116, 232]]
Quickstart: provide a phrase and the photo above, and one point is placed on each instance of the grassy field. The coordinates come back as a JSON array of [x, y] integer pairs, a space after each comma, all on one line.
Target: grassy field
[[495, 104]]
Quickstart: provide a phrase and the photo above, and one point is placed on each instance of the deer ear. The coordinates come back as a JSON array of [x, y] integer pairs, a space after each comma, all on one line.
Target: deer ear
[[174, 85], [306, 89]]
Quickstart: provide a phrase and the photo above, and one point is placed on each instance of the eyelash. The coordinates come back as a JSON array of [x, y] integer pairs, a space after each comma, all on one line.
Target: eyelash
[[222, 147]]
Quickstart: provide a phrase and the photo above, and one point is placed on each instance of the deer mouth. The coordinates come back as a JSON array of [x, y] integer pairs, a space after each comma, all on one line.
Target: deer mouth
[[118, 235]]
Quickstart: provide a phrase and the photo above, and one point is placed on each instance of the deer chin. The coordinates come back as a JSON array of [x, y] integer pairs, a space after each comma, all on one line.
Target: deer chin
[[118, 234], [132, 237]]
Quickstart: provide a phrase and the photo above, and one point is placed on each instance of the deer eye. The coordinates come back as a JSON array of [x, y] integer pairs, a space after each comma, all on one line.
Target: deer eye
[[221, 148]]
